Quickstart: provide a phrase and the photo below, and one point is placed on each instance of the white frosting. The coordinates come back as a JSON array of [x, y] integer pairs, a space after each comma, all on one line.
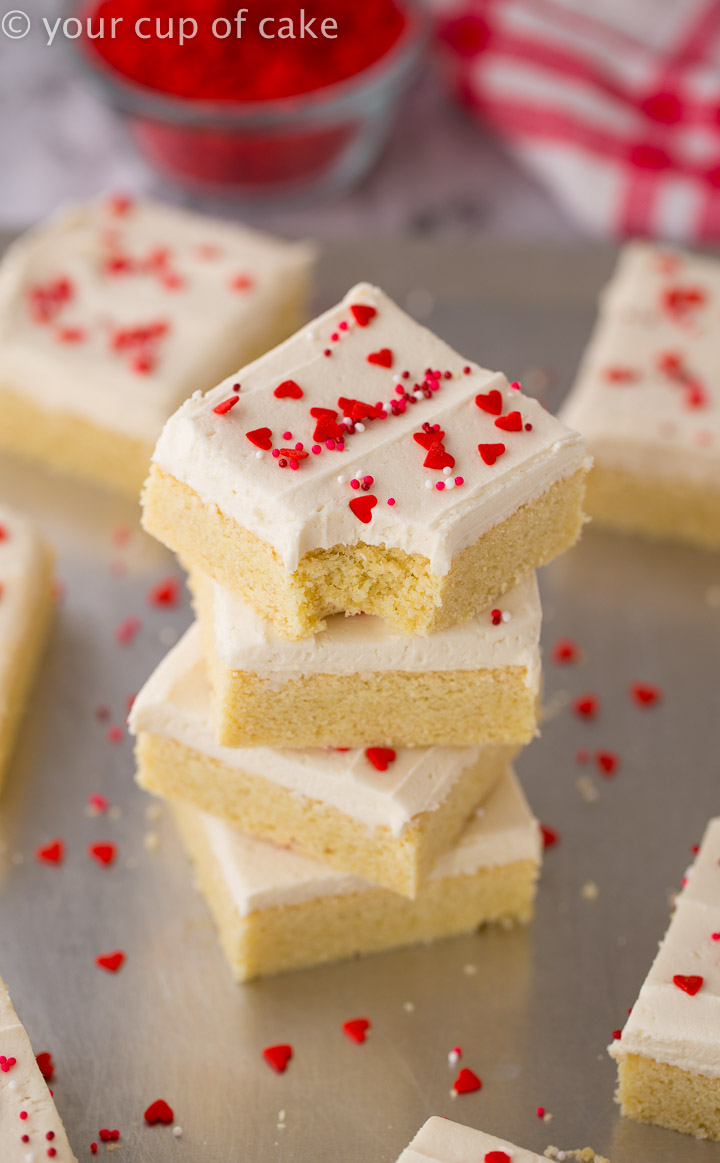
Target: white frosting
[[259, 875], [645, 425], [299, 511], [23, 587], [442, 1141], [666, 1023], [366, 644], [23, 1088], [175, 703], [211, 327]]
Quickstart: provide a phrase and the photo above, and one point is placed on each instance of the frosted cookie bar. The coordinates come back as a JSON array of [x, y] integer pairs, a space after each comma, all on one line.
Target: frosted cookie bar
[[668, 1054], [25, 609], [647, 397], [442, 1141], [29, 1123], [113, 312], [384, 815], [357, 683], [364, 467], [276, 910]]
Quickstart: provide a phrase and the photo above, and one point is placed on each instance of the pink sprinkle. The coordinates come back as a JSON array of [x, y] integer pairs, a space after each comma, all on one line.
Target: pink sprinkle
[[343, 325], [330, 444], [127, 630], [716, 936], [23, 1114], [368, 480], [98, 803], [294, 464], [540, 1112], [287, 435], [276, 452], [391, 501], [299, 446], [467, 370], [316, 449], [115, 734], [459, 481], [334, 337], [516, 386], [440, 486]]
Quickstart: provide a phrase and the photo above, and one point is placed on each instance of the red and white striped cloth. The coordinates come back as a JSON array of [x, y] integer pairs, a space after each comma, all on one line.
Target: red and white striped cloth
[[614, 105]]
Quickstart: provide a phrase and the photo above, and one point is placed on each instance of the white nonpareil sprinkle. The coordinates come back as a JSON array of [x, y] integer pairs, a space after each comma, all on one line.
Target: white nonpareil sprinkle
[[409, 1007], [449, 485], [429, 485], [447, 470], [341, 479], [12, 1085], [310, 334], [506, 616], [177, 1132], [453, 1057], [359, 427], [259, 455]]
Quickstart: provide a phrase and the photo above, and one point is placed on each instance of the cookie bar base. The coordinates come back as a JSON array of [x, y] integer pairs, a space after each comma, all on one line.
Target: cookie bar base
[[337, 927], [676, 509], [360, 578], [391, 709], [266, 810], [653, 1092], [22, 667], [71, 445]]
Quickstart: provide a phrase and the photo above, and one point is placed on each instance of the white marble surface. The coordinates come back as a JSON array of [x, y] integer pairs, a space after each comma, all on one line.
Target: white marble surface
[[440, 172]]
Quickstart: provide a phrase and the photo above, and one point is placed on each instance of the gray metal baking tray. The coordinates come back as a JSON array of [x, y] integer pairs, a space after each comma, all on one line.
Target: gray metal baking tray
[[532, 1009]]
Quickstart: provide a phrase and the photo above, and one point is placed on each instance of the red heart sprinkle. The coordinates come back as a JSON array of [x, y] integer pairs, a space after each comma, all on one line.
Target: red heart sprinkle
[[362, 507], [278, 1056], [586, 706], [261, 438], [513, 422], [427, 439], [497, 1157], [111, 961], [438, 457], [565, 650], [689, 984], [358, 409], [46, 1066], [383, 357], [362, 314], [165, 593], [466, 1082], [617, 1035], [491, 402], [327, 428], [645, 694], [103, 853], [159, 1112], [490, 452], [607, 761], [222, 409], [549, 835], [381, 757], [356, 1029], [288, 388], [52, 853], [296, 454], [620, 375]]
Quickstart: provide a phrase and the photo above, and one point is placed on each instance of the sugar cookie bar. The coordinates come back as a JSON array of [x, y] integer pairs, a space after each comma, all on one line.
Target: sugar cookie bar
[[647, 398], [113, 312], [29, 1121], [668, 1054], [25, 609], [442, 1141], [276, 910], [358, 684], [384, 815], [364, 467]]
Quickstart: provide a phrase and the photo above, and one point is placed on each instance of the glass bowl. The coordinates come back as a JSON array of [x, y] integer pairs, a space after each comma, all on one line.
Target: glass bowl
[[315, 144]]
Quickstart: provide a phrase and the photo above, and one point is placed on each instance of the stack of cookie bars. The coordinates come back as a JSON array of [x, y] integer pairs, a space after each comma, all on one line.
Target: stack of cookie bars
[[360, 512]]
